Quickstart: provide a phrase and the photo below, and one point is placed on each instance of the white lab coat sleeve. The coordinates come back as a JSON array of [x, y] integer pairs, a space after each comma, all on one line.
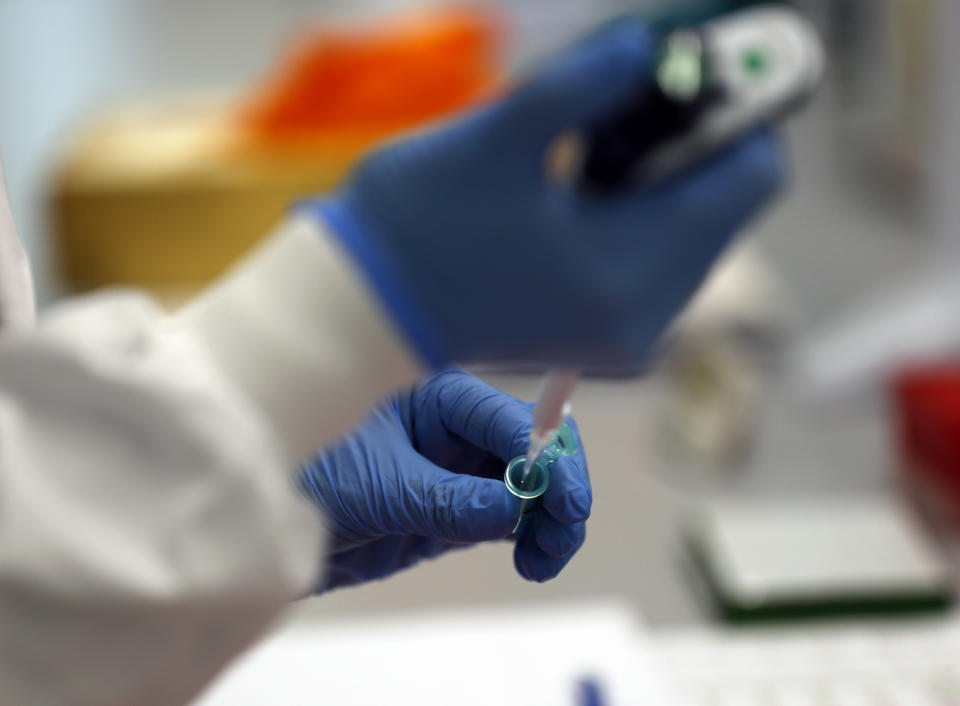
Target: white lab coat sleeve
[[296, 329], [150, 527]]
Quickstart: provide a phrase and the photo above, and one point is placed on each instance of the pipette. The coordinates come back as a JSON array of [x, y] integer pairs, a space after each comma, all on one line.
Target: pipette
[[714, 82], [552, 406]]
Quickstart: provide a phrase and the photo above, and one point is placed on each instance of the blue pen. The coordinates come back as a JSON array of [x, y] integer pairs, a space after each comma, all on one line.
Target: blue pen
[[589, 693]]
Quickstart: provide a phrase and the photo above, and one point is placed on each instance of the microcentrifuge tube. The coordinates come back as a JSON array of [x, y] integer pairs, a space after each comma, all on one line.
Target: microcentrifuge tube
[[529, 489]]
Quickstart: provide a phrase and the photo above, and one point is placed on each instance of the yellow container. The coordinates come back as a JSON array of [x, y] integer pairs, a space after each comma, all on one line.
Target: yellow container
[[167, 195]]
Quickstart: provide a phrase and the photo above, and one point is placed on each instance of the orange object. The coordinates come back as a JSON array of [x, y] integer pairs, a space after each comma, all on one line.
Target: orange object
[[371, 81], [167, 195]]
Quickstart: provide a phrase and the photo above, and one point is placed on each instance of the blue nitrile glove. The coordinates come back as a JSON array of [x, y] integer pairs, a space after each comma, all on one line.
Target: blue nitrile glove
[[424, 474], [478, 256]]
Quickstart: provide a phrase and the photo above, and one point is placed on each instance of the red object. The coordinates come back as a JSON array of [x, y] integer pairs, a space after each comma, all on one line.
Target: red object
[[927, 415]]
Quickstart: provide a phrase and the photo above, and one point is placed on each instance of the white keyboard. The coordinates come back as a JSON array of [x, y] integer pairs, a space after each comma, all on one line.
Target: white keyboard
[[886, 665]]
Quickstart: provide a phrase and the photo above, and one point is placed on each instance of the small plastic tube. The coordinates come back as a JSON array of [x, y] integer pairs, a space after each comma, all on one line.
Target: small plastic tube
[[529, 489]]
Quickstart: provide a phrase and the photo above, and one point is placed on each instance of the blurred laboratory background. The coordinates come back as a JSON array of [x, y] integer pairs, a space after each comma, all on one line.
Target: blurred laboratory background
[[776, 502]]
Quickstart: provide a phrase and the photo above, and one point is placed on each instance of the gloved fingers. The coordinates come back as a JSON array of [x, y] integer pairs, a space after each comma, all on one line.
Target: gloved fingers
[[558, 539], [568, 497], [726, 189], [482, 415], [733, 185], [584, 83], [457, 508], [534, 564]]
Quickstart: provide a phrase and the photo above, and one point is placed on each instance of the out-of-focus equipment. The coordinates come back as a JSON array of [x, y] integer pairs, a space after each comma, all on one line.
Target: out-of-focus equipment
[[727, 349], [777, 559], [926, 414], [166, 195], [915, 318], [907, 664]]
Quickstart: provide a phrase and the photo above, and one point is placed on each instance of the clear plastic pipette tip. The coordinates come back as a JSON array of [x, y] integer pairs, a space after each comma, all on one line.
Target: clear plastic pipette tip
[[538, 442], [553, 405]]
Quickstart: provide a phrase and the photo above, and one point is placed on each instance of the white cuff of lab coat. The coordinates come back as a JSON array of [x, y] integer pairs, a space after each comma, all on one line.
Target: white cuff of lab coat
[[294, 327]]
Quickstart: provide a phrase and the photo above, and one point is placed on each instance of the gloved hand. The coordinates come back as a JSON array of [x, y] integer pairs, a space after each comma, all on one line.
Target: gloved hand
[[424, 474], [478, 256]]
